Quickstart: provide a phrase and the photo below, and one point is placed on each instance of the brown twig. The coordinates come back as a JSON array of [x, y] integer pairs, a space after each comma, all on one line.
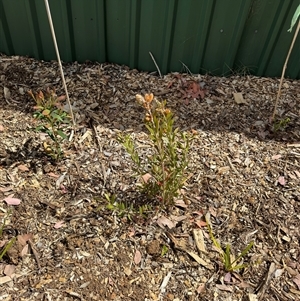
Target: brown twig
[[231, 165], [35, 253]]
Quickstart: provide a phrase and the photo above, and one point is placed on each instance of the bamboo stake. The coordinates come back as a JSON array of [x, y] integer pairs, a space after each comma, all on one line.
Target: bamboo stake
[[59, 61], [284, 68]]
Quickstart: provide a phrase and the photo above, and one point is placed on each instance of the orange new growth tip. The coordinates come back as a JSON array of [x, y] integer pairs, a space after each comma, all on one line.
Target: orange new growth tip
[[149, 97], [147, 119], [40, 95]]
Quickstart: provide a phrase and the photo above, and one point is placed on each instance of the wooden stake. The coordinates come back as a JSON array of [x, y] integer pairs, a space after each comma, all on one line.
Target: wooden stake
[[59, 61], [284, 68]]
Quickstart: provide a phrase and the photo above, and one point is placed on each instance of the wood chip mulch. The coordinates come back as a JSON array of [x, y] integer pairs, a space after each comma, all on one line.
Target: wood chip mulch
[[242, 174]]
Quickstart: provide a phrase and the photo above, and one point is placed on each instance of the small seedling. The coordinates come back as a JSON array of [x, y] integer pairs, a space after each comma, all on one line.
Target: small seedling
[[230, 264], [164, 250], [163, 173], [124, 210], [281, 124], [119, 207], [8, 244], [54, 120]]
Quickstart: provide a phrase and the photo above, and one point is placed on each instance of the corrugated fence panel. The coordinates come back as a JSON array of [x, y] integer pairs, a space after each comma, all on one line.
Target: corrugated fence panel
[[16, 29], [191, 32], [225, 31], [121, 31], [266, 28], [255, 40], [215, 36], [156, 33], [280, 41], [88, 29]]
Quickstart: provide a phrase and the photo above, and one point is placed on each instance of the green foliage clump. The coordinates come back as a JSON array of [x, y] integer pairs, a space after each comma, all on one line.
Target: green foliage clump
[[230, 262], [163, 173], [124, 210], [7, 244], [54, 119], [281, 124]]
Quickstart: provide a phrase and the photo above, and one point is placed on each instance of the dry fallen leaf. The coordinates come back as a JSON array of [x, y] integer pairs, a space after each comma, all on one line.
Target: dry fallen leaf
[[292, 176], [84, 253], [199, 259], [223, 169], [227, 277], [199, 240], [6, 93], [53, 175], [201, 288], [239, 99], [43, 136], [180, 218], [127, 271], [224, 287], [5, 189], [291, 271], [191, 89], [180, 203], [131, 232], [297, 281], [220, 91], [279, 272], [9, 269], [137, 257], [12, 201], [23, 167], [200, 223], [24, 251], [252, 297], [60, 180], [58, 224], [5, 279], [281, 180], [163, 221], [23, 239], [146, 177], [165, 282]]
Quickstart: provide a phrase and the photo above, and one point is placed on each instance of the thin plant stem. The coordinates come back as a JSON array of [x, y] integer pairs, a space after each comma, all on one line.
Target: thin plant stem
[[160, 150], [59, 61], [155, 64], [186, 67], [284, 68]]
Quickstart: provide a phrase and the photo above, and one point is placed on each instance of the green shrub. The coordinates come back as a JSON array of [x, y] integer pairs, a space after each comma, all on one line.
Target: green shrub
[[163, 173], [54, 120]]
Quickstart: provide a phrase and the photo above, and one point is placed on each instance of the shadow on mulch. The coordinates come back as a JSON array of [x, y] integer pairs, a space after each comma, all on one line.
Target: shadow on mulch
[[216, 112]]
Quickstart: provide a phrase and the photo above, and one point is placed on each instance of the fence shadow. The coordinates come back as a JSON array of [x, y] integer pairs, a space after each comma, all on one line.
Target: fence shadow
[[105, 94]]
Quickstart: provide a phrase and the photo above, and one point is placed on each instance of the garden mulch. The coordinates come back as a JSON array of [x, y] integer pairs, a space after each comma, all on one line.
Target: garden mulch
[[243, 177]]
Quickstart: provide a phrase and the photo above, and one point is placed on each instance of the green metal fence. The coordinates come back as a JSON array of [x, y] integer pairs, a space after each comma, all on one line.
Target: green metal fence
[[215, 36]]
